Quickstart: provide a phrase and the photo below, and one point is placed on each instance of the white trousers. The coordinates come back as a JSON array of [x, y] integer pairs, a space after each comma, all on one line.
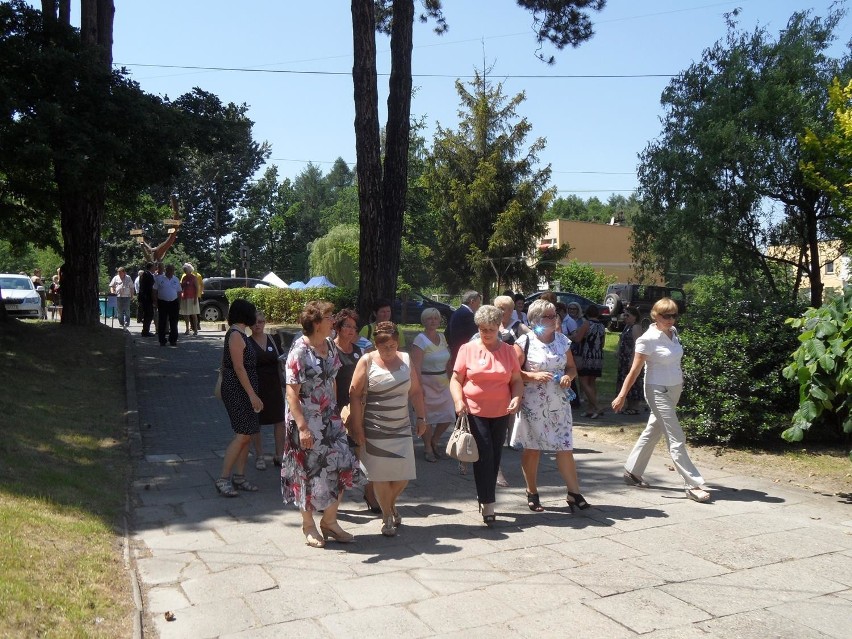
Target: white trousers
[[663, 402]]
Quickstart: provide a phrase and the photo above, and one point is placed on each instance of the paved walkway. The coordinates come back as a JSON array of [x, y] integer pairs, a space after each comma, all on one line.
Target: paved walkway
[[762, 560]]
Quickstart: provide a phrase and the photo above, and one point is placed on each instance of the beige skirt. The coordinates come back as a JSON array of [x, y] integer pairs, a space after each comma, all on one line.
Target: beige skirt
[[189, 307]]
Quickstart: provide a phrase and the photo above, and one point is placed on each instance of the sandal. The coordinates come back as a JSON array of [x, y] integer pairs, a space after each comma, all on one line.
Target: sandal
[[225, 488], [241, 483], [698, 494], [534, 503], [430, 457], [576, 499], [260, 464], [436, 450], [634, 480], [462, 468]]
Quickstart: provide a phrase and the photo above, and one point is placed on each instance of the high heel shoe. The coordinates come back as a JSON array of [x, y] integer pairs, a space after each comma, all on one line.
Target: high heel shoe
[[397, 518], [312, 538], [373, 508], [338, 534], [576, 499], [488, 518], [388, 529], [534, 503]]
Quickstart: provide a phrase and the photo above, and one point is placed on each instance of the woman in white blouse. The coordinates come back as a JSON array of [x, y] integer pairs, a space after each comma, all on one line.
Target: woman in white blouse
[[660, 352]]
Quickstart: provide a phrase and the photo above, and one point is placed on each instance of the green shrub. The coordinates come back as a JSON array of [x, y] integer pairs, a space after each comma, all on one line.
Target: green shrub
[[822, 368], [735, 351], [283, 305], [583, 279]]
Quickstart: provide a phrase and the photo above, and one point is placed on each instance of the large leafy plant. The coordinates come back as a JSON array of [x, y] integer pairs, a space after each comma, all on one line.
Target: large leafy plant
[[822, 366]]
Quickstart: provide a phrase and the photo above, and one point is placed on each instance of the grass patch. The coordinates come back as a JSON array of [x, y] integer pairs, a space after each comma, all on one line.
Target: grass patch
[[63, 473]]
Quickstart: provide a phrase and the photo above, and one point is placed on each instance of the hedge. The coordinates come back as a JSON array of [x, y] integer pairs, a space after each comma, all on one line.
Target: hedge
[[283, 305]]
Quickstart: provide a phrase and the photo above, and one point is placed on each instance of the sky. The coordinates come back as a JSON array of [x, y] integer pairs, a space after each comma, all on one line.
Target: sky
[[296, 60]]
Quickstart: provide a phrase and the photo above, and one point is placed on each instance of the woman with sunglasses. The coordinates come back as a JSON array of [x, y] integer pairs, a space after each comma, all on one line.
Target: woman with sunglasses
[[660, 352]]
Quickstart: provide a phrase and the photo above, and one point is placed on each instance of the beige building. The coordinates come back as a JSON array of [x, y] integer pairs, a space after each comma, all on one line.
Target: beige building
[[835, 267], [603, 246]]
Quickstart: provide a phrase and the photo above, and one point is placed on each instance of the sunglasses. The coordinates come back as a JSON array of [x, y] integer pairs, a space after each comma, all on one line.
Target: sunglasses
[[669, 316]]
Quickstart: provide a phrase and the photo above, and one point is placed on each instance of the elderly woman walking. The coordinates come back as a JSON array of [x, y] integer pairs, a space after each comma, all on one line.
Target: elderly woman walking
[[318, 463], [487, 385], [544, 422], [659, 352]]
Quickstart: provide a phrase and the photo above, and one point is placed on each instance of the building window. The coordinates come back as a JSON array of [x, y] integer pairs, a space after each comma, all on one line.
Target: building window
[[829, 268]]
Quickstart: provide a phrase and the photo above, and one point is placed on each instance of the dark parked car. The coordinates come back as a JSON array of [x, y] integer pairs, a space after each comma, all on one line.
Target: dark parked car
[[415, 305], [567, 298], [214, 304], [620, 297]]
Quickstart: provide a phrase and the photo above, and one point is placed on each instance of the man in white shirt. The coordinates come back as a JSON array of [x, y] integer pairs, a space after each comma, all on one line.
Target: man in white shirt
[[122, 287], [167, 301]]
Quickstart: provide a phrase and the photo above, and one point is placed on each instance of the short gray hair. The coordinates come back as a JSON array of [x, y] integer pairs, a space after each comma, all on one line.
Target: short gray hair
[[537, 309], [488, 315], [470, 296], [427, 313], [504, 302]]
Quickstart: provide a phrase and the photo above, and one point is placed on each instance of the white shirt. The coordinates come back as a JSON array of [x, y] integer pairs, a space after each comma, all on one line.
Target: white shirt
[[662, 357], [122, 287], [168, 289]]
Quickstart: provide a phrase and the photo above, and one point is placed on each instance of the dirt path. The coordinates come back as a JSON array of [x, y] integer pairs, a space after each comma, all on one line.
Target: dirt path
[[821, 470]]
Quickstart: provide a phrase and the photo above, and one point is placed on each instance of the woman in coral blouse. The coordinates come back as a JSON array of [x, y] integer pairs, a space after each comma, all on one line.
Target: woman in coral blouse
[[487, 385]]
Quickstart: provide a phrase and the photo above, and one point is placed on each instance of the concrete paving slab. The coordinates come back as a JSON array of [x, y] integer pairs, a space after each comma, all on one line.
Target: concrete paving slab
[[163, 542], [295, 601], [450, 613], [552, 591], [161, 599], [829, 615], [205, 621], [306, 628], [752, 589], [607, 578], [227, 584], [677, 566], [532, 559], [462, 576], [648, 609], [385, 622], [575, 619], [758, 624], [380, 590], [165, 570]]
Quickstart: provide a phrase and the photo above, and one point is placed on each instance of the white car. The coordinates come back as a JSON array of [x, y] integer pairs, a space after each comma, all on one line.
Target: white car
[[20, 296]]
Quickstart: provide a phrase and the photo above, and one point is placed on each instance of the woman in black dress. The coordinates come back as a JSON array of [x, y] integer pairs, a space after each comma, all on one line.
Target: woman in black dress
[[346, 334], [240, 396], [271, 390], [626, 345]]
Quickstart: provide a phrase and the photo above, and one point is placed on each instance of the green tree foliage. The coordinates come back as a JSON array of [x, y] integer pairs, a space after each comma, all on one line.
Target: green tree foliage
[[827, 162], [618, 208], [736, 347], [723, 180], [335, 255], [822, 368], [266, 223], [583, 279], [489, 194], [219, 158], [383, 179], [73, 135]]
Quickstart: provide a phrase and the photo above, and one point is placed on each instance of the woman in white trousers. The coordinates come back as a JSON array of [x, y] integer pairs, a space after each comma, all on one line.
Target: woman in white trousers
[[659, 351]]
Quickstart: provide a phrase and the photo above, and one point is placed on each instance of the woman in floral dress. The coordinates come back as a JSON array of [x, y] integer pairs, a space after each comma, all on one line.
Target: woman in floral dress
[[544, 421], [318, 463], [626, 345]]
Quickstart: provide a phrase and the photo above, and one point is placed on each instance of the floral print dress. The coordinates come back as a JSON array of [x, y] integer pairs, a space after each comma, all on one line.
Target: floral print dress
[[544, 421], [313, 479]]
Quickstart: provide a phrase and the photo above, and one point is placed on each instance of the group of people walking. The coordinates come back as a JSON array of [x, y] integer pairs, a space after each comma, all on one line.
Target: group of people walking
[[162, 293], [346, 423]]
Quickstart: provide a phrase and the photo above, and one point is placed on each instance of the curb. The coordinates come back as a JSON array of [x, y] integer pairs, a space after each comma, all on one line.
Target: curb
[[134, 446]]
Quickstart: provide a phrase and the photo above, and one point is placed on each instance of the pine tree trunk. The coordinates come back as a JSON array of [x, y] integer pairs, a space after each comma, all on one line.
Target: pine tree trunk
[[381, 196], [81, 215], [368, 153]]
